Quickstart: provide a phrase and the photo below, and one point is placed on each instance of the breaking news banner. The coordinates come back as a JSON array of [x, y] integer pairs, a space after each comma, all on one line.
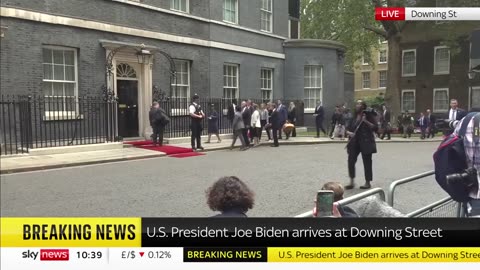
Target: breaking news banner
[[427, 14], [214, 243]]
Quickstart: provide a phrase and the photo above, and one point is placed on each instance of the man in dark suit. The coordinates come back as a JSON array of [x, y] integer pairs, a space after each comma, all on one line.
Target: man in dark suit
[[282, 117], [276, 126], [386, 123], [432, 129], [454, 114], [423, 124], [319, 116], [247, 118], [231, 110]]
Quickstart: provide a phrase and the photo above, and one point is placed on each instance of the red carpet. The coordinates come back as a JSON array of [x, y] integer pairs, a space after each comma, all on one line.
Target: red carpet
[[184, 155], [138, 143], [169, 150]]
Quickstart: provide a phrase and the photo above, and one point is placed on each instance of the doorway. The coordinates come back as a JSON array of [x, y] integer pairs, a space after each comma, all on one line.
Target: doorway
[[127, 93]]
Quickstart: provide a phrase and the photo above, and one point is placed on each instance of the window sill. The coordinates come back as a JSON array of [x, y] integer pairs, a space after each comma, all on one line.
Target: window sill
[[234, 23], [381, 63], [62, 117], [179, 11], [309, 110], [409, 75], [266, 31], [442, 73], [440, 111]]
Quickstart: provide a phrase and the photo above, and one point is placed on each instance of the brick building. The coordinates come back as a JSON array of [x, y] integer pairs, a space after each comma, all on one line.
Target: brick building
[[371, 74], [219, 48]]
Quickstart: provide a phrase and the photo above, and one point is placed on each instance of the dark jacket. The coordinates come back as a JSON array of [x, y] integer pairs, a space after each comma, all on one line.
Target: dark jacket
[[247, 117], [283, 113], [292, 115], [275, 120], [237, 122], [338, 119], [347, 212], [460, 114], [156, 116], [364, 138], [386, 117], [231, 112], [426, 123], [431, 120], [320, 112]]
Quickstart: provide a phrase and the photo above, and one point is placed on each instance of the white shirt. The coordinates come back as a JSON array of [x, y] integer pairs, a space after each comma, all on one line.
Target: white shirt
[[255, 122], [453, 114], [192, 108]]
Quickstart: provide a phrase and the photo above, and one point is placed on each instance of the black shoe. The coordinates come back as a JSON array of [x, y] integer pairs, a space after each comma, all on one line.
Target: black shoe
[[273, 145], [366, 186], [200, 148], [350, 186]]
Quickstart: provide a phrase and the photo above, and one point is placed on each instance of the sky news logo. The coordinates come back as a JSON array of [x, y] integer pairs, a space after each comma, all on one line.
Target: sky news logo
[[47, 255]]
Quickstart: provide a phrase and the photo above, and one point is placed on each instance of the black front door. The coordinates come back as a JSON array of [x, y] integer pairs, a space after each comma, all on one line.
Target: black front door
[[127, 92]]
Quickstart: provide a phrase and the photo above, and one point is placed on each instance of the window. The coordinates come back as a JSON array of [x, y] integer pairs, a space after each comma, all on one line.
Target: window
[[382, 79], [182, 87], [365, 80], [60, 83], [365, 60], [441, 63], [312, 86], [475, 97], [441, 101], [408, 100], [266, 84], [266, 16], [180, 5], [293, 29], [409, 63], [230, 8], [230, 81], [382, 56]]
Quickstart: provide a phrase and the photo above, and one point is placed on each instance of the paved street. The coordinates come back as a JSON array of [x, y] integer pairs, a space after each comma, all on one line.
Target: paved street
[[285, 180]]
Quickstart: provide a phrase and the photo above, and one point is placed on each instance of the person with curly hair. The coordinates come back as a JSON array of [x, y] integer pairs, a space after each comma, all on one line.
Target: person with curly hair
[[231, 196]]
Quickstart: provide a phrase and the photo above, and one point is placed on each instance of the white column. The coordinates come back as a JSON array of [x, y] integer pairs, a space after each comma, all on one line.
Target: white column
[[147, 100]]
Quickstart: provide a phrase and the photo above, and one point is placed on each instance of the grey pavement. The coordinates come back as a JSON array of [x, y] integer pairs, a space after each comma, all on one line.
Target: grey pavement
[[25, 162], [285, 181]]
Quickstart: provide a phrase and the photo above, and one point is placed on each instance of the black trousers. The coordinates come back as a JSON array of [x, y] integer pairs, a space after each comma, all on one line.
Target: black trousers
[[157, 135], [245, 136], [367, 163], [196, 134], [319, 126], [431, 132], [263, 123], [386, 132], [275, 135]]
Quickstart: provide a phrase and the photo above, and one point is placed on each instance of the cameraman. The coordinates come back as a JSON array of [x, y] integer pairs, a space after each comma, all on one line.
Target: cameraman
[[472, 151], [361, 132]]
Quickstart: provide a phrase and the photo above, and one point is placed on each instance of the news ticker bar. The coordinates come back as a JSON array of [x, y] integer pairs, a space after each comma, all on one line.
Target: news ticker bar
[[231, 232], [427, 14], [176, 255]]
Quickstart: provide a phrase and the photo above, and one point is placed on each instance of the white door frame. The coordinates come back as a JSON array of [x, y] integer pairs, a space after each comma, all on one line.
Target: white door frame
[[144, 78]]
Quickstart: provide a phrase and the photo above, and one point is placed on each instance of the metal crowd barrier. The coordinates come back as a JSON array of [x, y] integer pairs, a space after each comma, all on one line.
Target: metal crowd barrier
[[352, 199], [445, 207]]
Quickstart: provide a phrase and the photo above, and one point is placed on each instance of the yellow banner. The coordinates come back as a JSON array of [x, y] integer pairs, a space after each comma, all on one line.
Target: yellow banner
[[70, 232], [374, 254]]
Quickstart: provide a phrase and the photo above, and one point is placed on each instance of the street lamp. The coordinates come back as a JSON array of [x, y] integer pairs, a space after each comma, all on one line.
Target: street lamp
[[143, 55]]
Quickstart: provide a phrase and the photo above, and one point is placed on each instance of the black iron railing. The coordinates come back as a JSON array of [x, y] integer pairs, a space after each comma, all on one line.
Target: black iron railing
[[30, 122]]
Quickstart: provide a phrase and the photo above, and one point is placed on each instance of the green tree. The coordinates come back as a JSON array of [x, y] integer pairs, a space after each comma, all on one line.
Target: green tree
[[353, 23]]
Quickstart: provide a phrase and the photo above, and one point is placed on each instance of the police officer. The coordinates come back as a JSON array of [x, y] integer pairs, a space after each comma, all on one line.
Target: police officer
[[197, 115]]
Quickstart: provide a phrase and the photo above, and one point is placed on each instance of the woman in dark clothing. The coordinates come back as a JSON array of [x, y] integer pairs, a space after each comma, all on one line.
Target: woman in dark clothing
[[292, 118], [231, 196], [361, 141], [213, 124]]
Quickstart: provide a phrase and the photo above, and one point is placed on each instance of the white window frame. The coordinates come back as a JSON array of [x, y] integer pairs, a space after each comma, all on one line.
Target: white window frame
[[380, 58], [236, 12], [176, 83], [307, 109], [414, 100], [369, 80], [380, 78], [435, 72], [187, 6], [262, 89], [470, 95], [237, 75], [415, 66], [269, 14], [363, 61], [62, 115], [435, 90]]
